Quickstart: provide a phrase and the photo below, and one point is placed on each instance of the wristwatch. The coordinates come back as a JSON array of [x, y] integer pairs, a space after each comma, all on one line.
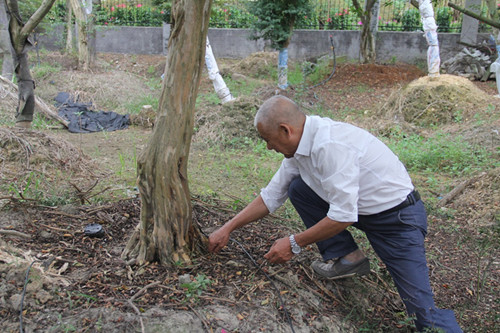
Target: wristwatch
[[296, 249]]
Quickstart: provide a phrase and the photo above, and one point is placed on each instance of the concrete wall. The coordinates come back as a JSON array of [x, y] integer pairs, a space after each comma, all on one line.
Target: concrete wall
[[235, 43]]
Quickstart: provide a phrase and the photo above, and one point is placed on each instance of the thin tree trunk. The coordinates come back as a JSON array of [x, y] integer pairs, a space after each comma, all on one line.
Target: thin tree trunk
[[166, 232], [86, 32], [19, 33], [490, 21], [367, 47], [5, 44], [69, 27]]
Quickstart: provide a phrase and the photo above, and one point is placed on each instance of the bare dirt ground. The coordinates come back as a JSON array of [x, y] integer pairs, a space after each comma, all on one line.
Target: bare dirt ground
[[79, 283]]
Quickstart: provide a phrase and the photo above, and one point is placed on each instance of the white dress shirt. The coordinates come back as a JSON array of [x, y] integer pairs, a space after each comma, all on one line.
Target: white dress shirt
[[346, 166]]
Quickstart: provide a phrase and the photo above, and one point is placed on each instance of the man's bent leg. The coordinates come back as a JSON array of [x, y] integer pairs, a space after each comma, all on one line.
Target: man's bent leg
[[398, 239], [312, 209]]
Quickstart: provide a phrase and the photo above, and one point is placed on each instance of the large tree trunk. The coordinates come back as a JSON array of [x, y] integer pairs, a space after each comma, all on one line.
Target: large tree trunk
[[166, 232], [19, 33]]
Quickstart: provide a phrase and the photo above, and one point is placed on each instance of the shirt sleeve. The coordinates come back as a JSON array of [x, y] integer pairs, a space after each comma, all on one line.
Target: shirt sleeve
[[276, 192], [338, 170]]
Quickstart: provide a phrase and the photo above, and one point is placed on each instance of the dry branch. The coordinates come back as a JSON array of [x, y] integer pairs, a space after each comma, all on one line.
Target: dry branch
[[456, 191], [7, 85], [14, 233]]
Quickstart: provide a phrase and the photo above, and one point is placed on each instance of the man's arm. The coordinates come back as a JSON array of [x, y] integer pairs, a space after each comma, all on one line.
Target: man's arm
[[281, 251], [253, 211]]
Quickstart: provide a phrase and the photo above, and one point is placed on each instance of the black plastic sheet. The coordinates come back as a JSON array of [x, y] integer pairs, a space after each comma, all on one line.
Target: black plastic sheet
[[82, 119]]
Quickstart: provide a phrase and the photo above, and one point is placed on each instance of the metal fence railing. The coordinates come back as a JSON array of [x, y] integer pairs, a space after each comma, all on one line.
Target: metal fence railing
[[395, 15]]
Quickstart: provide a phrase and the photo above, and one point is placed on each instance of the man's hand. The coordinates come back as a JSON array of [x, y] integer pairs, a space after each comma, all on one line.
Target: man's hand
[[280, 252], [217, 240]]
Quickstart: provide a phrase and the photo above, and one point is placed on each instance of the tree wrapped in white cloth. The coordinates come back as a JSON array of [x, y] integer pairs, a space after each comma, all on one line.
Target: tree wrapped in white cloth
[[430, 31]]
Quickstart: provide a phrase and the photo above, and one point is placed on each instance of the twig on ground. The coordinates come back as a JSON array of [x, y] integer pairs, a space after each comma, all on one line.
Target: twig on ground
[[137, 294], [207, 327], [93, 210], [320, 285], [63, 214], [387, 288], [456, 191], [14, 233], [54, 228]]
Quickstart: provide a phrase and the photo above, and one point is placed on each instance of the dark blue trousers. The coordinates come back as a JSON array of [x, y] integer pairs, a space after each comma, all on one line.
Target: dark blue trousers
[[398, 239]]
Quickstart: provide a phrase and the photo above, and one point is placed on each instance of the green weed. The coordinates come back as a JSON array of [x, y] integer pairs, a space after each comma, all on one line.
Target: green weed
[[195, 288]]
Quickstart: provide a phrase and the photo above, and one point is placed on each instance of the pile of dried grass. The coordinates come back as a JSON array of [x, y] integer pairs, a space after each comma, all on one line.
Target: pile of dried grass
[[256, 64], [480, 200], [434, 101], [225, 122], [43, 163], [8, 105]]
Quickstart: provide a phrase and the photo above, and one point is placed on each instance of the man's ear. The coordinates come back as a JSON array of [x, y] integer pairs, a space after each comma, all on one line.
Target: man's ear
[[285, 129]]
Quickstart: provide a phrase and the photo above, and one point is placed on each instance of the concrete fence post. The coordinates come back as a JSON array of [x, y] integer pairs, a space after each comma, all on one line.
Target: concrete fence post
[[470, 25]]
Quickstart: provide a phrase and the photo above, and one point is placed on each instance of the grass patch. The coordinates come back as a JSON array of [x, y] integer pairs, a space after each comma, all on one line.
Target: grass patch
[[44, 70], [441, 153], [135, 106]]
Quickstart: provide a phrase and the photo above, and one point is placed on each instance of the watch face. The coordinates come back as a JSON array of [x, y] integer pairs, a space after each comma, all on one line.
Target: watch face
[[296, 249]]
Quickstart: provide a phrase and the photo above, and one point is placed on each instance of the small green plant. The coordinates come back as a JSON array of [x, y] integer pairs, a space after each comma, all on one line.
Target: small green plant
[[195, 288], [319, 71]]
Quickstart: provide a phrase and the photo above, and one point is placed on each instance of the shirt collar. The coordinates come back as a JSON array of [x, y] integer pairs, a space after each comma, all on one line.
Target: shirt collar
[[305, 144]]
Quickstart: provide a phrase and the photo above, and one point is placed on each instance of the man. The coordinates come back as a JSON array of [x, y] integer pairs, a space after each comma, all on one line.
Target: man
[[337, 175]]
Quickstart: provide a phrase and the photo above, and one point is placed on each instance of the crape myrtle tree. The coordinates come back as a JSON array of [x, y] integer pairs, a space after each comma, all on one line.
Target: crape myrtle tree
[[368, 16], [19, 33], [369, 19], [166, 232], [275, 22], [84, 18]]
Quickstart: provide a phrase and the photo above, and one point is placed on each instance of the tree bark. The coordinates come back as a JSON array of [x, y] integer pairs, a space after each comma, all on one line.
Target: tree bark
[[166, 232], [367, 47], [69, 27], [86, 35], [494, 23], [19, 33], [6, 51]]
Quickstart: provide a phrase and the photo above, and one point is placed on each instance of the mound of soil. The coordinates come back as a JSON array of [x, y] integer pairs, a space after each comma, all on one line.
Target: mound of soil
[[435, 100]]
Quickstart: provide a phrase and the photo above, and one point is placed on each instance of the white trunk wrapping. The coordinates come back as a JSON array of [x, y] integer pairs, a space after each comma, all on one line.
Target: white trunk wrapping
[[214, 75], [430, 30]]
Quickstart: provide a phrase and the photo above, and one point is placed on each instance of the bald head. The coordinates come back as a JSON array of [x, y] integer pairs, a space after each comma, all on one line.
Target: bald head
[[279, 110]]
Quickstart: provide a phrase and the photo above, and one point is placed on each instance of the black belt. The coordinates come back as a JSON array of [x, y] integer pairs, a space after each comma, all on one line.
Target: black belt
[[411, 199]]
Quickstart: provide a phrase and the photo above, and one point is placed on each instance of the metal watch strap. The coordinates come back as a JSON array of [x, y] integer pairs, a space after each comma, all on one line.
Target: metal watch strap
[[296, 249]]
